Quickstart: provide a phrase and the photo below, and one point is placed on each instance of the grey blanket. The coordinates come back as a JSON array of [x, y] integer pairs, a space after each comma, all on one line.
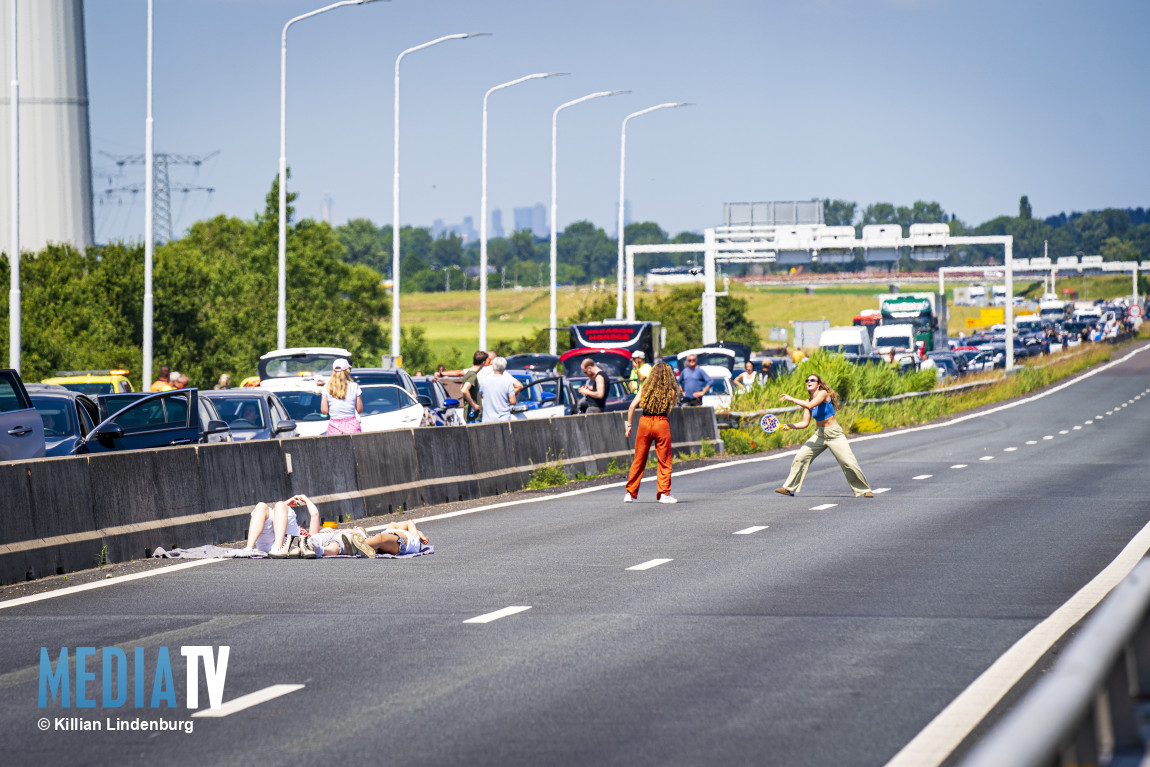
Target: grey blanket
[[223, 552]]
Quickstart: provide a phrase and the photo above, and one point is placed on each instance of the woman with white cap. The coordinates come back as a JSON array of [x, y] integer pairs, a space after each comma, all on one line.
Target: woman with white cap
[[341, 400]]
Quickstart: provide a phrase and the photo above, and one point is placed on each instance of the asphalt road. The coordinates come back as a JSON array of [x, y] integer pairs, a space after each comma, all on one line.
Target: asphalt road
[[830, 636]]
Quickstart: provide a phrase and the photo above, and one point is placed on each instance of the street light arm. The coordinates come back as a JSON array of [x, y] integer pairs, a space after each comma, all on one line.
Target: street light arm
[[536, 76], [588, 97], [318, 11], [437, 41], [668, 105]]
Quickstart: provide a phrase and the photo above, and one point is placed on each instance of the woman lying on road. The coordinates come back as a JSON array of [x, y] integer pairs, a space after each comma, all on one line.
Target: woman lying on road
[[273, 530], [828, 434], [397, 538]]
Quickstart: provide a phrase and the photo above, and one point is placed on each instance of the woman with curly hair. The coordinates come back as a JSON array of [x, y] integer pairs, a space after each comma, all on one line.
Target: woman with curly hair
[[828, 435], [659, 394]]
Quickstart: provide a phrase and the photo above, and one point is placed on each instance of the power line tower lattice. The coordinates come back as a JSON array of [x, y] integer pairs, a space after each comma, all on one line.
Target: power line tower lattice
[[162, 187]]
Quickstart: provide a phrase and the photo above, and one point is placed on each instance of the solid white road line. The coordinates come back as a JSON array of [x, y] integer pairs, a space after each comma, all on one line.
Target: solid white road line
[[878, 490], [101, 584], [651, 563], [749, 530], [987, 458], [825, 506], [923, 476], [488, 617], [938, 739], [249, 700], [1009, 449], [959, 466]]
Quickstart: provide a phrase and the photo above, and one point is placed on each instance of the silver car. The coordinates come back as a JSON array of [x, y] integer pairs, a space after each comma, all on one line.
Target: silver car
[[21, 427]]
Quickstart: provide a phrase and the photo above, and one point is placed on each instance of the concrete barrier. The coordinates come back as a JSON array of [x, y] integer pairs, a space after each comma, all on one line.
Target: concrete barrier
[[493, 458], [19, 557], [571, 439], [445, 465], [323, 468], [535, 445], [235, 476], [387, 471], [605, 434], [60, 502], [142, 499]]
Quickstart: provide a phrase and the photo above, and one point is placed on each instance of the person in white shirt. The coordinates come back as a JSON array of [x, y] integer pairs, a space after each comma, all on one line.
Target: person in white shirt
[[341, 400], [498, 390]]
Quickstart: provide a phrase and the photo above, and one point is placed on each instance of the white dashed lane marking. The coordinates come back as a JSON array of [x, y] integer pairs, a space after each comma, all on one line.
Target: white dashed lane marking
[[1077, 428], [488, 617], [1032, 442], [1088, 422], [1049, 436], [824, 507], [959, 466], [1064, 431], [987, 458], [749, 530], [878, 490], [1009, 449], [249, 700], [651, 563], [923, 476]]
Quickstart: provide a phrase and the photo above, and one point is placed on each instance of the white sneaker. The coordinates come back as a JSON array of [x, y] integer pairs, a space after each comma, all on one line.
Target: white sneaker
[[667, 499], [281, 551], [627, 498]]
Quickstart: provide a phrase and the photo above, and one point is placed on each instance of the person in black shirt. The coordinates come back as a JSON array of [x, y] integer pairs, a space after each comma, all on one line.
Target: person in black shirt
[[595, 390]]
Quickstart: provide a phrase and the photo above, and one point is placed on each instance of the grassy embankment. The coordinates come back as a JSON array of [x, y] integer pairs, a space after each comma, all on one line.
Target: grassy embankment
[[450, 319]]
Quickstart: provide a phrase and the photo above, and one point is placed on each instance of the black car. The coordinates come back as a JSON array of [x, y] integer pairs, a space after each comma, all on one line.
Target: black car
[[539, 363], [251, 413], [442, 409], [394, 376], [140, 419], [68, 417]]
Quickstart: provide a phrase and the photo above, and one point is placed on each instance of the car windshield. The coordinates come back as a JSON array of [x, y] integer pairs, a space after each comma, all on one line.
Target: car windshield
[[377, 377], [845, 349], [300, 364], [384, 399], [302, 405], [59, 415], [543, 362], [241, 413], [90, 388], [711, 358], [720, 386]]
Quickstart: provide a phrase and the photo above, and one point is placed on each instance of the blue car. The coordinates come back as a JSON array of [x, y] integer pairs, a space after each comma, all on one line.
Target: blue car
[[68, 417], [442, 410], [536, 399], [252, 413]]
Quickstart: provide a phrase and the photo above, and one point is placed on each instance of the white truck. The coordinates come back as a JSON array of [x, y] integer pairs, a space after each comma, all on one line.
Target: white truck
[[1052, 310], [852, 340], [899, 338]]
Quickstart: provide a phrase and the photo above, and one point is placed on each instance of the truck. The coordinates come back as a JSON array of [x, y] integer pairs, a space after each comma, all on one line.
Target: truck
[[852, 342], [1052, 310], [897, 338], [914, 309]]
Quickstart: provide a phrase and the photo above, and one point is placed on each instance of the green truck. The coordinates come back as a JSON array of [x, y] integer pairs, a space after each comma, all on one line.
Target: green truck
[[915, 309]]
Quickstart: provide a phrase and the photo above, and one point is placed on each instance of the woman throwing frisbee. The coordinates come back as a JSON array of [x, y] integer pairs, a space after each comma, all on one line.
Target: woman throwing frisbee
[[828, 435]]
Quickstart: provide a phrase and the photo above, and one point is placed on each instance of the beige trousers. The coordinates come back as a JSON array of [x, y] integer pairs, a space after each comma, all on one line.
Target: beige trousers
[[824, 438]]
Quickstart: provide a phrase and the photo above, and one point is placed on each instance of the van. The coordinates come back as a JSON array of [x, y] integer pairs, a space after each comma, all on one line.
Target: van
[[899, 338], [853, 341]]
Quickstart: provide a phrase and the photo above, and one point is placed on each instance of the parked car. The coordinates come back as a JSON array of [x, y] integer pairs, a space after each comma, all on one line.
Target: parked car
[[776, 367], [562, 390], [619, 396], [303, 406], [719, 396], [387, 407], [616, 363], [710, 356], [394, 376], [252, 414], [68, 417], [532, 402], [539, 363], [304, 362], [138, 420], [850, 341], [21, 427], [442, 409], [92, 381], [209, 414]]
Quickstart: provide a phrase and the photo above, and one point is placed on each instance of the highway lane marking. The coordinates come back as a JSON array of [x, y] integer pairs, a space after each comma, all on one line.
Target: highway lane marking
[[1009, 449], [1049, 436], [959, 466], [1063, 431], [749, 530], [1032, 442], [1076, 428], [935, 743], [1108, 412], [488, 617], [650, 563], [1088, 422], [249, 700], [101, 584], [878, 490], [823, 507], [923, 476], [987, 458]]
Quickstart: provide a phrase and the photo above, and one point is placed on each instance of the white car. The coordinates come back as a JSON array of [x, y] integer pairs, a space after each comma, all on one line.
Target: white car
[[719, 396], [288, 368], [385, 407]]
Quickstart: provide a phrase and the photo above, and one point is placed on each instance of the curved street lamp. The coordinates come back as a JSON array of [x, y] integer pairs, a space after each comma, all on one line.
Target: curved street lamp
[[552, 345], [622, 170], [395, 188], [483, 204]]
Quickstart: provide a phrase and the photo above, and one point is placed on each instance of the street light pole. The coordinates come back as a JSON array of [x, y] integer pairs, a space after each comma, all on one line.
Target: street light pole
[[281, 287], [483, 205], [622, 171], [149, 220], [395, 188], [552, 341], [14, 250]]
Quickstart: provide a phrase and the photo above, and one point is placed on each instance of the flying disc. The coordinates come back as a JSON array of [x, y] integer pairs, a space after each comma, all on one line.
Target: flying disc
[[770, 423]]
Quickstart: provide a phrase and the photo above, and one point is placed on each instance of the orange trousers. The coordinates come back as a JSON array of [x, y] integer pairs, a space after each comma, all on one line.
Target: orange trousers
[[657, 430]]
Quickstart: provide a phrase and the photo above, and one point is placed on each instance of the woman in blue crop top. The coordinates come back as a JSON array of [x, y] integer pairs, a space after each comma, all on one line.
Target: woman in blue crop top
[[828, 436]]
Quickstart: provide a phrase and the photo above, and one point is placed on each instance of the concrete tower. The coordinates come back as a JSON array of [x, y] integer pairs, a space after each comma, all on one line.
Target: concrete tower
[[55, 159]]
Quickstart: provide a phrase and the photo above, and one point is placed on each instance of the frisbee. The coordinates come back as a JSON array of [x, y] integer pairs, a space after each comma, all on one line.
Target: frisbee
[[770, 423]]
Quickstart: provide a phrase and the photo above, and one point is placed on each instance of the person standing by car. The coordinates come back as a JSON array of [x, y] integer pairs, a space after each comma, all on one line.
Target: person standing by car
[[341, 400], [828, 435], [640, 370], [225, 382], [695, 382], [470, 389], [595, 390], [498, 391], [659, 394], [163, 383]]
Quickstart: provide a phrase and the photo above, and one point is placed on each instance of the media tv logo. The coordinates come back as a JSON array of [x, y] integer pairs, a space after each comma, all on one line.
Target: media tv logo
[[72, 683]]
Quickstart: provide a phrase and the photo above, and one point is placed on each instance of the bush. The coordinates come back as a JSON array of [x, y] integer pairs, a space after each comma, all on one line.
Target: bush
[[862, 425], [739, 442]]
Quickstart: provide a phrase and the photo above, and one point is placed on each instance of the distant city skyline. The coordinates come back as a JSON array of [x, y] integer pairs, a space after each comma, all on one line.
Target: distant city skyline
[[963, 103]]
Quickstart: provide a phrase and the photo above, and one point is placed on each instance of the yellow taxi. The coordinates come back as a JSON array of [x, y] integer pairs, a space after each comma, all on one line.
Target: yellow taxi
[[92, 381]]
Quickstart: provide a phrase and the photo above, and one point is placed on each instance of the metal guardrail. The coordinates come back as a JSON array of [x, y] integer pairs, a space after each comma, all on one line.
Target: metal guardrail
[[1090, 708]]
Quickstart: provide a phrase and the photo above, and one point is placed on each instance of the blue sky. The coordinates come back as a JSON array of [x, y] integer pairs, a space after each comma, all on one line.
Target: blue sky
[[971, 103]]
